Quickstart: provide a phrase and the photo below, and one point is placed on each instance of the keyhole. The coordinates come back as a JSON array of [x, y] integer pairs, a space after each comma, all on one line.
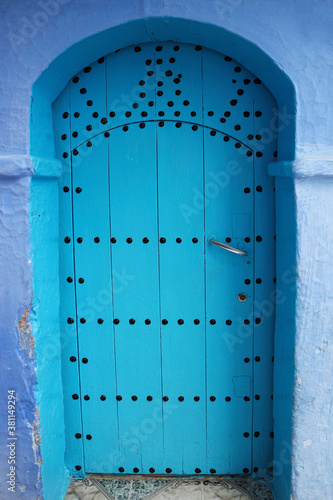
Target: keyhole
[[242, 297]]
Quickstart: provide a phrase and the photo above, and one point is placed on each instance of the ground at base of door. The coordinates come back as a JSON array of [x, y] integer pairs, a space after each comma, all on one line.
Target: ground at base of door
[[97, 487]]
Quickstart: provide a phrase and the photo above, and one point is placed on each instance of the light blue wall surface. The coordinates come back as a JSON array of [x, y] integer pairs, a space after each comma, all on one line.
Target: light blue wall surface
[[289, 41]]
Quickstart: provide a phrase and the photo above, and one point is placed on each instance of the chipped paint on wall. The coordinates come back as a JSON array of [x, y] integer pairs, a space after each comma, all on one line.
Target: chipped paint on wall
[[27, 340]]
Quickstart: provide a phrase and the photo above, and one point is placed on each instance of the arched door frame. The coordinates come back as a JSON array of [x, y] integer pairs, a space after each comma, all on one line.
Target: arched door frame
[[45, 217]]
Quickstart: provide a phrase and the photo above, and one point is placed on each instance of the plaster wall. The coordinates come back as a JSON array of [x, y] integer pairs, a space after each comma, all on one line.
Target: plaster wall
[[289, 36]]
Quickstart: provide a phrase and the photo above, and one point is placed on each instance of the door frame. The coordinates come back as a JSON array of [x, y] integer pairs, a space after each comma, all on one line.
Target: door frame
[[44, 214]]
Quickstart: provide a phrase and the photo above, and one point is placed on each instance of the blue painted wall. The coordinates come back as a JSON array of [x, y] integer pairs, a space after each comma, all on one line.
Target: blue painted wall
[[291, 38]]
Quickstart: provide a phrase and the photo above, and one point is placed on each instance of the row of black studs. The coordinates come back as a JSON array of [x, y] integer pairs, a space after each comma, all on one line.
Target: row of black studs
[[150, 398], [135, 105], [246, 281], [180, 321], [166, 398], [256, 434], [78, 190], [162, 240], [73, 359], [169, 471]]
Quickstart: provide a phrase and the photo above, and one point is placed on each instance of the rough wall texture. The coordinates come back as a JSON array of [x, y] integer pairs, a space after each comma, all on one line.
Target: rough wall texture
[[297, 36]]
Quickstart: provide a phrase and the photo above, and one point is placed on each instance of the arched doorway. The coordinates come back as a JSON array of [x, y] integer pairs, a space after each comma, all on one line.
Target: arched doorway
[[167, 337]]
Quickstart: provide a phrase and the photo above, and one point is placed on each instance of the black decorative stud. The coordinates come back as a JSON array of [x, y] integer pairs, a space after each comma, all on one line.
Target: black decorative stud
[[149, 398], [100, 321], [78, 467], [131, 321], [103, 398], [81, 280], [86, 397], [168, 470], [165, 398], [196, 398], [70, 321], [121, 469], [181, 398], [72, 359], [119, 398], [85, 360], [152, 470], [197, 470], [116, 321], [69, 279], [89, 437], [75, 396], [67, 239]]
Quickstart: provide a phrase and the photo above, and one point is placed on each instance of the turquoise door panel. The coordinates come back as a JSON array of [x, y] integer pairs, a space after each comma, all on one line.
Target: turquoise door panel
[[167, 338]]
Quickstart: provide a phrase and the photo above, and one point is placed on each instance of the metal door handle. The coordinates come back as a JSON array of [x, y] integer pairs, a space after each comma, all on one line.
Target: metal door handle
[[227, 247]]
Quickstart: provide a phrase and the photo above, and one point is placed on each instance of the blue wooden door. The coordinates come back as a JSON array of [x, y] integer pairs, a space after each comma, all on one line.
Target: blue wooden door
[[167, 338]]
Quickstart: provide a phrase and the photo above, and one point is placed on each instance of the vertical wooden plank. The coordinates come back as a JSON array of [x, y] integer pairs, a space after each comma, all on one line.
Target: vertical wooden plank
[[69, 347], [94, 303], [133, 201], [266, 292], [229, 219], [182, 289]]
